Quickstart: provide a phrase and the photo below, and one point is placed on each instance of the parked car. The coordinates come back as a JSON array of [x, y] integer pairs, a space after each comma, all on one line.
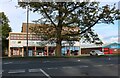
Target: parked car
[[96, 53]]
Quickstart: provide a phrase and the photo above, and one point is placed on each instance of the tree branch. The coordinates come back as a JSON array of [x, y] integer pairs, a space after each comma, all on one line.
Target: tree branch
[[74, 8], [90, 26], [48, 16]]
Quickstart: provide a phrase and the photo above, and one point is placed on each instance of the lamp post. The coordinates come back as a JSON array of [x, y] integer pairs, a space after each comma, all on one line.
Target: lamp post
[[19, 2], [27, 27]]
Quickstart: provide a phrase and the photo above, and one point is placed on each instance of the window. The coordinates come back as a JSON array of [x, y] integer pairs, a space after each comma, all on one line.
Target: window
[[20, 36], [24, 36], [30, 37], [33, 37], [17, 36], [11, 37]]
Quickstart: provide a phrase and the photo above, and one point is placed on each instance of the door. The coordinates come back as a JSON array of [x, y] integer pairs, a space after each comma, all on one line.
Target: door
[[30, 52]]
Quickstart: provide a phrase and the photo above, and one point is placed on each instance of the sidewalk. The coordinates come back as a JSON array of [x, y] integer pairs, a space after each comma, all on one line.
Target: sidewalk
[[82, 55]]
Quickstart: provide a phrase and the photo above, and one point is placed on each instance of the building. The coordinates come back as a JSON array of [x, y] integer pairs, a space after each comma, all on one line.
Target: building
[[36, 45], [86, 48], [108, 48], [112, 48]]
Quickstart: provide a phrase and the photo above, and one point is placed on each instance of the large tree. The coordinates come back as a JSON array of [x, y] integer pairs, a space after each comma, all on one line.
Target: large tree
[[4, 29], [84, 15]]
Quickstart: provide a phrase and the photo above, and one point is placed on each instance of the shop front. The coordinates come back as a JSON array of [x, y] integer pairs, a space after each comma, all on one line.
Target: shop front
[[36, 47], [16, 51]]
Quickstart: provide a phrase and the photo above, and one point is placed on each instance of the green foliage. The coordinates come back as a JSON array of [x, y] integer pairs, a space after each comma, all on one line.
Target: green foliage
[[5, 29], [84, 15], [5, 26], [0, 30]]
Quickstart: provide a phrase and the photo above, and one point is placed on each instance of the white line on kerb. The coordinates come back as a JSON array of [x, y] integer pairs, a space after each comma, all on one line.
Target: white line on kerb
[[16, 71], [45, 73]]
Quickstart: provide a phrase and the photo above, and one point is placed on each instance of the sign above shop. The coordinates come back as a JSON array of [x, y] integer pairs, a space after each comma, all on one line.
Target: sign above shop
[[22, 43]]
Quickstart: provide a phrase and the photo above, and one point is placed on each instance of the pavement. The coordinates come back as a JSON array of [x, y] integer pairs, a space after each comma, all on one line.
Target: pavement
[[57, 67], [80, 55]]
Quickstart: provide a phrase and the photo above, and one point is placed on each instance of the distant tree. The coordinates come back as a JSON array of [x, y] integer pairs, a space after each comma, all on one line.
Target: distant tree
[[84, 15], [5, 29]]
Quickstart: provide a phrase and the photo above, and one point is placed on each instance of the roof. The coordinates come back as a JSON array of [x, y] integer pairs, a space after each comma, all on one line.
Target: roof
[[106, 45], [112, 45]]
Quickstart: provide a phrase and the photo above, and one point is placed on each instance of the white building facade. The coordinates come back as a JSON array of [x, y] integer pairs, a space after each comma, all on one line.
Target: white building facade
[[36, 47]]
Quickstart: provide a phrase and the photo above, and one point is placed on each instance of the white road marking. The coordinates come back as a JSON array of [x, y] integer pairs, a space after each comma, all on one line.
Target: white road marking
[[83, 66], [17, 71], [34, 70], [45, 73], [66, 67], [110, 65], [78, 60], [8, 63], [98, 65], [52, 68]]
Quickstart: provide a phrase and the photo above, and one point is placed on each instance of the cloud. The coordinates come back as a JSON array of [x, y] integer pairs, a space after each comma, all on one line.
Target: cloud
[[114, 39], [111, 39]]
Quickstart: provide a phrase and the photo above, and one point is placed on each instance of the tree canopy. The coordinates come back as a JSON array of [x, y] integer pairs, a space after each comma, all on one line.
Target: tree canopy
[[84, 15], [4, 29]]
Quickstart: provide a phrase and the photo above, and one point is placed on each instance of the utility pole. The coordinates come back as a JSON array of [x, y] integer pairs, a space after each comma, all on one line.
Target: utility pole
[[27, 27]]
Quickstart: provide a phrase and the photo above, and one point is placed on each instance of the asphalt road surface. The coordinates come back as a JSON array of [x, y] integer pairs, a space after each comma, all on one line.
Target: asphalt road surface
[[52, 67]]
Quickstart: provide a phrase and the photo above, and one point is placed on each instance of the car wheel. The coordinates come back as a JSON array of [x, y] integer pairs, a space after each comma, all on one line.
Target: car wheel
[[90, 54], [96, 54]]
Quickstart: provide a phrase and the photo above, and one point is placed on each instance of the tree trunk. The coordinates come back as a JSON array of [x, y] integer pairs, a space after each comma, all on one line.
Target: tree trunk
[[58, 43], [58, 49], [59, 30]]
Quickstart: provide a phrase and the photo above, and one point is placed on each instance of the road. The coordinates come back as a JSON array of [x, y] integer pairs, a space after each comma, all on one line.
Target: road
[[52, 67]]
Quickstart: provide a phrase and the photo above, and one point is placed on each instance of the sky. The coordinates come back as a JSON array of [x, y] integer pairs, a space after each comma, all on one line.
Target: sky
[[16, 15]]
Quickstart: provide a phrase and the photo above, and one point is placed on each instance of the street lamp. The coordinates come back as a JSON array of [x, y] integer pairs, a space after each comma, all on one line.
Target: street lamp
[[27, 26], [23, 1]]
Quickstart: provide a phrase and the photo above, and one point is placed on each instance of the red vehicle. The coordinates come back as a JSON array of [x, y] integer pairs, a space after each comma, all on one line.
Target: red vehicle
[[108, 51]]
